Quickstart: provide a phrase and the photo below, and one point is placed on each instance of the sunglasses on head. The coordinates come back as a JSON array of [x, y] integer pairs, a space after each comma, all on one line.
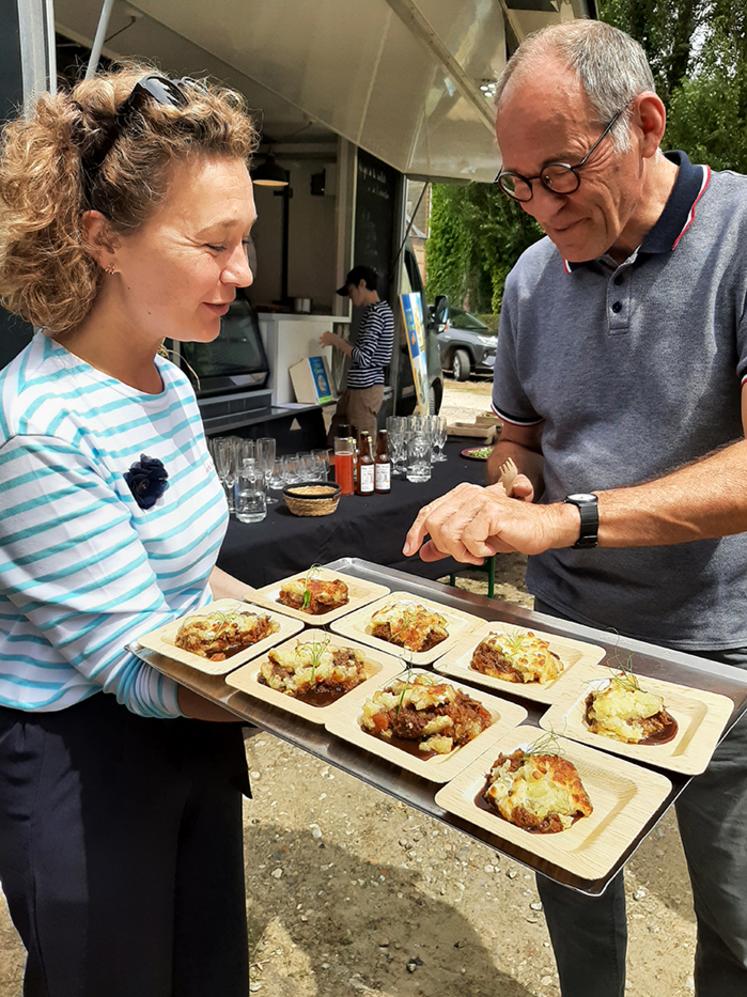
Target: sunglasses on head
[[170, 93]]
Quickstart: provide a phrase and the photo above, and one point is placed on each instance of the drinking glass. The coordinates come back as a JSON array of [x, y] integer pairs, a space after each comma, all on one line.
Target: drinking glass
[[251, 500], [277, 477], [418, 457], [290, 469], [224, 452], [306, 467], [412, 425], [321, 464], [266, 461], [396, 426], [441, 436], [430, 428], [246, 450]]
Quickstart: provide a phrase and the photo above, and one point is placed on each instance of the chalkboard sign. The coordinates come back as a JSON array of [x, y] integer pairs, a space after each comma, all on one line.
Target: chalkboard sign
[[375, 204]]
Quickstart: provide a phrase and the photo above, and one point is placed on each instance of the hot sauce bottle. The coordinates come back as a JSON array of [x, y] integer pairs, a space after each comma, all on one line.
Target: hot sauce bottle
[[365, 465], [382, 465]]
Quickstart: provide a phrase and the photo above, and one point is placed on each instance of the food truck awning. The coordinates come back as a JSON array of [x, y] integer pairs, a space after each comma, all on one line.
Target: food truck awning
[[407, 80]]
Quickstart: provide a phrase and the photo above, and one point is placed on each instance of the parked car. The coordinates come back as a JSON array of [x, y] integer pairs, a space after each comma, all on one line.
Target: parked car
[[467, 345]]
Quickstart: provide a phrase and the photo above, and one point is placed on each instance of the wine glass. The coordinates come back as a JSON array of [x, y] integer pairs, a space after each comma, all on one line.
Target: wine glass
[[290, 469], [442, 434], [395, 425], [224, 452], [277, 477]]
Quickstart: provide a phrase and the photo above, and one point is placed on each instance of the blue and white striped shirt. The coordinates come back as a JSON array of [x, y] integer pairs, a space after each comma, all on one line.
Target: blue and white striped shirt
[[83, 569], [373, 350]]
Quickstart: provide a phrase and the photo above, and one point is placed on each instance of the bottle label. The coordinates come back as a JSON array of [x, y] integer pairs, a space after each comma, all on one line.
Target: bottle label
[[366, 473], [383, 477]]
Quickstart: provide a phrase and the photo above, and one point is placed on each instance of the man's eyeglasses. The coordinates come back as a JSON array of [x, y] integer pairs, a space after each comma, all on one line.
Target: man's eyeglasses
[[159, 88], [559, 178]]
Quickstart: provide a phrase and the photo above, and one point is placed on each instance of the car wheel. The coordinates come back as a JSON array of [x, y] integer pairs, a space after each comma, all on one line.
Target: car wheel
[[461, 365]]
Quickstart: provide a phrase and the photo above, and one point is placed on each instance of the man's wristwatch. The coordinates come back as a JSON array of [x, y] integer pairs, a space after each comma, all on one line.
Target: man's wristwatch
[[589, 512]]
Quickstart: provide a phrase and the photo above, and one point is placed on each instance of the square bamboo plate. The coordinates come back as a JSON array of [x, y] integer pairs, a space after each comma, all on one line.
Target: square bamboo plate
[[571, 652], [162, 640], [360, 593], [701, 717], [459, 624], [624, 797], [378, 667], [343, 723]]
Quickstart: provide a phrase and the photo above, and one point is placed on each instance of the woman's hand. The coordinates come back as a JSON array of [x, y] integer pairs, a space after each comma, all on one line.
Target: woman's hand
[[328, 339]]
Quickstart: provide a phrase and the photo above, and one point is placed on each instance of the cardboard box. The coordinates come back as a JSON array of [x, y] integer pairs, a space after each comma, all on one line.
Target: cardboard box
[[311, 381]]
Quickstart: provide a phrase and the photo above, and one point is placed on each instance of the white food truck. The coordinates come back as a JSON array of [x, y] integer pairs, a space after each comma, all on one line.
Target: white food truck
[[354, 100]]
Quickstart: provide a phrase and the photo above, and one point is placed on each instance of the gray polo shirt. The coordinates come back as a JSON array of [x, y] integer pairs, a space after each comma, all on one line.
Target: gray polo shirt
[[634, 370]]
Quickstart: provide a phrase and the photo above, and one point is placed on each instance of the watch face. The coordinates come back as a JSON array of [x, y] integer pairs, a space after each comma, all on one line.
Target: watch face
[[581, 497]]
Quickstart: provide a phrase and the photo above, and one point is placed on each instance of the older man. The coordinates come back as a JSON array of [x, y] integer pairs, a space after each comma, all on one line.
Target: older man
[[621, 359]]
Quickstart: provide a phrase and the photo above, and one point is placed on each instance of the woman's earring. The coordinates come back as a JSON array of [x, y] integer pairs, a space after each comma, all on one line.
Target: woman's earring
[[109, 269]]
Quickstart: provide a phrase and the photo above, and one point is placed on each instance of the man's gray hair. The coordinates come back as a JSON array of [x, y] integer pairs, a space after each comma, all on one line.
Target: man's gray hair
[[611, 66]]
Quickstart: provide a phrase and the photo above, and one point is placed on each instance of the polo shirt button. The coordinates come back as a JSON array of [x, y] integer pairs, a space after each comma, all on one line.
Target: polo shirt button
[[619, 279], [617, 307]]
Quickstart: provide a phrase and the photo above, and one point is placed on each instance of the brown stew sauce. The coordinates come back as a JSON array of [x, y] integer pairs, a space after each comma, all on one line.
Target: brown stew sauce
[[324, 696], [404, 744]]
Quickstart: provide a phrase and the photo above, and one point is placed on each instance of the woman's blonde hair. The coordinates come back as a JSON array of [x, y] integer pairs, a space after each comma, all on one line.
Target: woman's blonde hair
[[46, 180]]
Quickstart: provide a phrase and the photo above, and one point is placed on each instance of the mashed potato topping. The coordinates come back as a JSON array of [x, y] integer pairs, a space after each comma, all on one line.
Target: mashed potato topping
[[539, 792], [432, 714], [312, 666], [626, 712], [408, 624], [219, 635], [313, 595], [521, 656]]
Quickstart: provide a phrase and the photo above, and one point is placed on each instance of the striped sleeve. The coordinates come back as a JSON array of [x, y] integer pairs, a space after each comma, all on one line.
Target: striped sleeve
[[375, 341], [72, 563]]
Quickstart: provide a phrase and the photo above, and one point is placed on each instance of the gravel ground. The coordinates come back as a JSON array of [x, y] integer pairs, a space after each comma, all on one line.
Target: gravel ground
[[352, 893]]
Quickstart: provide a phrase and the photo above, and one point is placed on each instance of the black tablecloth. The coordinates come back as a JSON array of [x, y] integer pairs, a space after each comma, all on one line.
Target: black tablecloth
[[372, 528]]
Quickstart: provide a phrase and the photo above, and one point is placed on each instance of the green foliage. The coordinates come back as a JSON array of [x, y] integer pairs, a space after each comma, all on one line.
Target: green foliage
[[698, 54], [476, 236]]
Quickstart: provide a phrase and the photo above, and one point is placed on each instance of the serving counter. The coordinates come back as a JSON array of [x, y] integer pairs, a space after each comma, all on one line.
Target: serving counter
[[410, 789], [373, 526]]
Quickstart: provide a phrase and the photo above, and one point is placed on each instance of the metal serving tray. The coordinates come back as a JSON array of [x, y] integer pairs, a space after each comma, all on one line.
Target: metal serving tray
[[650, 660]]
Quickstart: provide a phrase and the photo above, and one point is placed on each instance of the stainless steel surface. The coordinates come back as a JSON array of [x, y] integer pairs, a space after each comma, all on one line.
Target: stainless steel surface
[[649, 660], [407, 80]]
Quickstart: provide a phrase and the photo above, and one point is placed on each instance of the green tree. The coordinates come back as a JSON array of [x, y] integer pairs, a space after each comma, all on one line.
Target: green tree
[[698, 54], [476, 236]]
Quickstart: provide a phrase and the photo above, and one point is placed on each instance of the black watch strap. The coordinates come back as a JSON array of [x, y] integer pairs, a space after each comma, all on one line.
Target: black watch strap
[[589, 511]]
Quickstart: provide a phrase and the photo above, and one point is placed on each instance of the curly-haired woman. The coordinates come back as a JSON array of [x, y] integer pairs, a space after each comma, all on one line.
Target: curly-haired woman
[[125, 215]]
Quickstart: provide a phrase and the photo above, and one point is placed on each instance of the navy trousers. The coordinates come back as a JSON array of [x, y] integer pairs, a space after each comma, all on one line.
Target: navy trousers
[[121, 852], [589, 934]]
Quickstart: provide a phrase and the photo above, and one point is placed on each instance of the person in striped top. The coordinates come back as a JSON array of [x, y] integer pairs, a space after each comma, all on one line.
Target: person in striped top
[[125, 212], [359, 404]]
